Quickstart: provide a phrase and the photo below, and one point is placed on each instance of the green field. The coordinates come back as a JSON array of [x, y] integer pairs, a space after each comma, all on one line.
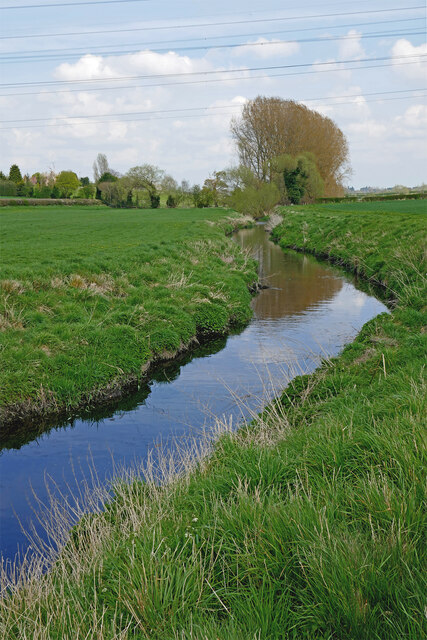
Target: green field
[[308, 523], [389, 206], [90, 296]]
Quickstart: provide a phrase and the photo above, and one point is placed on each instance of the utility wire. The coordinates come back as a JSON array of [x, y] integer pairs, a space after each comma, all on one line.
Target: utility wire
[[68, 4], [221, 37], [202, 115], [136, 113], [201, 73], [214, 24], [384, 34], [205, 81]]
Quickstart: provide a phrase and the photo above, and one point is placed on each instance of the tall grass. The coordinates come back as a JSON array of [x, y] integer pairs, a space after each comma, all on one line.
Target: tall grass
[[89, 297], [307, 522]]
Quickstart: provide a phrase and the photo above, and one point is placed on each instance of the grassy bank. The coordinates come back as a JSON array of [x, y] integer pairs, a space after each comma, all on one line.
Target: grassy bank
[[307, 523], [91, 296]]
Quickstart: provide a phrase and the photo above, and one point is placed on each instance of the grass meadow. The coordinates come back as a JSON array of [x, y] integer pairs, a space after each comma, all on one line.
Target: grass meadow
[[90, 296], [307, 523]]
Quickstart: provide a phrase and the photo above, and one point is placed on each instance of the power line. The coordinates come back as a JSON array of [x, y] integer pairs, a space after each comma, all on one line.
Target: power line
[[26, 56], [200, 73], [134, 113], [69, 4], [221, 37], [213, 24], [202, 115], [211, 80]]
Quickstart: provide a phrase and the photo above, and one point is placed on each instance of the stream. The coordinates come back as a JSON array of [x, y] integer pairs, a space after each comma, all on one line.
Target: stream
[[309, 311]]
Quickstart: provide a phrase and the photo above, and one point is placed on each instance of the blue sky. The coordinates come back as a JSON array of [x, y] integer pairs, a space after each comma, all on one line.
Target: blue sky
[[161, 81]]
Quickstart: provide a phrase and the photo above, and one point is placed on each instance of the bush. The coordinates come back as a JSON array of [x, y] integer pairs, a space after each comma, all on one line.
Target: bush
[[155, 200], [42, 192], [24, 190], [255, 202], [171, 202]]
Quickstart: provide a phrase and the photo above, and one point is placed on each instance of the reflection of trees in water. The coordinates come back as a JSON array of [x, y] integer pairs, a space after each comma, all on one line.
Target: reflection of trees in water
[[297, 282]]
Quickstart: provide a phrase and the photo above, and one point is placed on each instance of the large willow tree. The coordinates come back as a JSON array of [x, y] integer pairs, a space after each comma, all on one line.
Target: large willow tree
[[270, 127]]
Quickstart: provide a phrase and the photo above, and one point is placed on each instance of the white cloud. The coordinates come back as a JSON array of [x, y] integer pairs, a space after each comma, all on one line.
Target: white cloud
[[263, 48], [335, 70], [346, 103], [351, 47], [91, 67], [370, 128], [417, 69], [412, 122]]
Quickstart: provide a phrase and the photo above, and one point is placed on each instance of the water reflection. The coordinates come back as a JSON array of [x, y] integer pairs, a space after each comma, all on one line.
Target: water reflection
[[309, 311], [297, 282]]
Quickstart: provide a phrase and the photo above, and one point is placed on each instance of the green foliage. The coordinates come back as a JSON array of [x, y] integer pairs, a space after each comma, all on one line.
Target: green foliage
[[171, 201], [67, 182], [7, 188], [297, 177], [107, 176], [256, 201], [145, 176], [86, 191], [154, 200], [44, 192], [202, 197], [217, 188], [15, 174]]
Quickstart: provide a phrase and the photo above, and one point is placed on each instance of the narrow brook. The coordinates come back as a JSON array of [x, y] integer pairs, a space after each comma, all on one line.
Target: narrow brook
[[309, 311]]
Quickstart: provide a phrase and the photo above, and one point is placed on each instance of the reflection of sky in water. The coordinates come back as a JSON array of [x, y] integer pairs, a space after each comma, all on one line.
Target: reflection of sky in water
[[311, 313]]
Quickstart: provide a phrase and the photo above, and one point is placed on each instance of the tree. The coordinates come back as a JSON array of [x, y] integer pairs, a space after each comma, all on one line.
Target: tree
[[7, 187], [270, 127], [202, 197], [168, 184], [217, 186], [100, 166], [67, 182], [296, 178], [145, 176], [108, 177], [15, 174], [85, 182]]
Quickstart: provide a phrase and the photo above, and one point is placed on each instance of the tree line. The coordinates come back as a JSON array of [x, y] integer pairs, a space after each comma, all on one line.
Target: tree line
[[287, 153]]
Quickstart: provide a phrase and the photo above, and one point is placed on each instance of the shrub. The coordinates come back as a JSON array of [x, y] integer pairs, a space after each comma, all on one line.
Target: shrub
[[255, 202], [171, 202], [154, 200]]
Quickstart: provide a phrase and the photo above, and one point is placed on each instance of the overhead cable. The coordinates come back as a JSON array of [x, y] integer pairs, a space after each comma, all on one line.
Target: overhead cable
[[68, 4], [134, 113], [201, 73], [202, 115], [222, 37], [216, 24], [26, 56], [210, 80]]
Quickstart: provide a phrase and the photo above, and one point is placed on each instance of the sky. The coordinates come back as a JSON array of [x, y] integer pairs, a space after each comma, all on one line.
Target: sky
[[157, 81]]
